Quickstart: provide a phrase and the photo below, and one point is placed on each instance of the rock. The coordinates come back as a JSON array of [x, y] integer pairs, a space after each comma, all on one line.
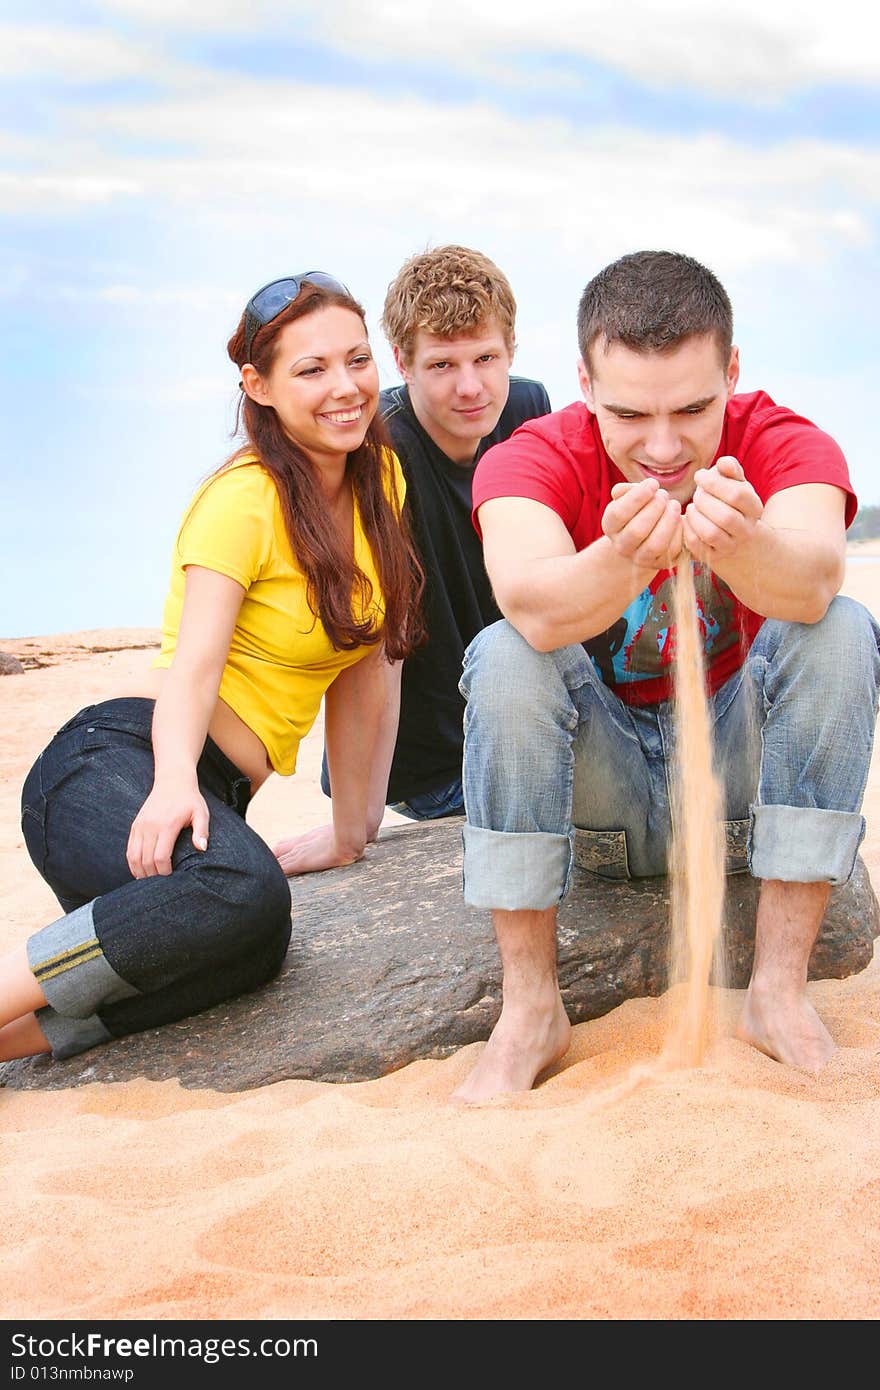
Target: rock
[[387, 965], [10, 665]]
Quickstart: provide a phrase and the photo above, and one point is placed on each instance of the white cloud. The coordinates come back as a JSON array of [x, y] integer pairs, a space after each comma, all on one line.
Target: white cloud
[[188, 296], [68, 53], [173, 186], [210, 16], [292, 151], [55, 193], [756, 50]]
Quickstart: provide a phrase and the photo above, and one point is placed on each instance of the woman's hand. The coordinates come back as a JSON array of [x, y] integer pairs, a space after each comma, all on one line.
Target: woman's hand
[[316, 849], [167, 810], [185, 705]]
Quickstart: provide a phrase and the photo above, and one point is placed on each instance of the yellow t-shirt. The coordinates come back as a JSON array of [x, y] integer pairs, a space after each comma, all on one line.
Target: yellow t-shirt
[[280, 660]]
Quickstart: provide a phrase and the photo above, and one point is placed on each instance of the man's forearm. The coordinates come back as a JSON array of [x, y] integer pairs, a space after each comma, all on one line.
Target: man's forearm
[[784, 573], [570, 598]]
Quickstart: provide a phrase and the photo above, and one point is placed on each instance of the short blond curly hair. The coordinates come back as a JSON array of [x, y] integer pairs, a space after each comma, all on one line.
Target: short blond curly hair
[[449, 291]]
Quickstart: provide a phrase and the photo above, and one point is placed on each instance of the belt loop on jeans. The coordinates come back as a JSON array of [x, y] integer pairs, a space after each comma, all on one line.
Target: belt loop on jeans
[[75, 719]]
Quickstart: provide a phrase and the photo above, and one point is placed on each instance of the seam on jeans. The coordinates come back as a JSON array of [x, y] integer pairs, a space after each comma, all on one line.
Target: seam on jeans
[[30, 818], [667, 754], [619, 713], [730, 689], [169, 900], [99, 735]]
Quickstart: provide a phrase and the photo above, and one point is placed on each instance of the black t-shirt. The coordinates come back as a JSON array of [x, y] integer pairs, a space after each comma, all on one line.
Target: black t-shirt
[[458, 599]]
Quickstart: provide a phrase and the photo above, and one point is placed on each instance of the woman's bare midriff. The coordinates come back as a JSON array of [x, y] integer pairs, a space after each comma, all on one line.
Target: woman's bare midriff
[[231, 735]]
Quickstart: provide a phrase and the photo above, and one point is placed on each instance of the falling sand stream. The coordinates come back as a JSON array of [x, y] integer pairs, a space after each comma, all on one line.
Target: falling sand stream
[[697, 858], [697, 900]]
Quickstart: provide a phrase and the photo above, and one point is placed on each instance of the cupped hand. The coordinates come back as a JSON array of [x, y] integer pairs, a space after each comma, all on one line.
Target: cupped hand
[[643, 523], [155, 828], [316, 849], [723, 513]]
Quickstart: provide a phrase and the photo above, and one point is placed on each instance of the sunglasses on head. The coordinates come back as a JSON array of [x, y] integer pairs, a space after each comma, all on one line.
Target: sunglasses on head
[[267, 303]]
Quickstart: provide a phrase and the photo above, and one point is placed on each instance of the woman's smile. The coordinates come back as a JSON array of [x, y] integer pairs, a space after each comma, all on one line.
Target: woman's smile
[[349, 416]]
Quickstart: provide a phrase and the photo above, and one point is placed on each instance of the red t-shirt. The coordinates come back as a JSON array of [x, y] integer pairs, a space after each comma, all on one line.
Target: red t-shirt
[[560, 460]]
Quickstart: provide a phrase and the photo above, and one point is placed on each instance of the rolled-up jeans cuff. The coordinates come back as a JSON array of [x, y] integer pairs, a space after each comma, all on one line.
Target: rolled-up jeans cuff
[[515, 871], [71, 969], [797, 844], [68, 1036]]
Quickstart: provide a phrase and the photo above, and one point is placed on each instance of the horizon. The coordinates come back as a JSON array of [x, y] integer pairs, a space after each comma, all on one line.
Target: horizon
[[158, 166]]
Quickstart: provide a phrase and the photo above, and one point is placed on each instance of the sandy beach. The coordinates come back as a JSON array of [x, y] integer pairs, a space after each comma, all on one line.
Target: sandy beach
[[738, 1189]]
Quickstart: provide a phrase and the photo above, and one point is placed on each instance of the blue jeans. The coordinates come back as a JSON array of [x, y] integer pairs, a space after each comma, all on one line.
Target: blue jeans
[[131, 954], [445, 801], [557, 769]]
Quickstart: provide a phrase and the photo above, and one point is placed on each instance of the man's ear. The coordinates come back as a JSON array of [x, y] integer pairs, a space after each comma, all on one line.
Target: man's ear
[[400, 363], [732, 371], [585, 384], [253, 384]]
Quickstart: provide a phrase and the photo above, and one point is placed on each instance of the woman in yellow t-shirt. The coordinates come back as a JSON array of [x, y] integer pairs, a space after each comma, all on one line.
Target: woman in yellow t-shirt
[[293, 581]]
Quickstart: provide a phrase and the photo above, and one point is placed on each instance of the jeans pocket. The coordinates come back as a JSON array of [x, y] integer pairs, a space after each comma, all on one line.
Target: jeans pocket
[[63, 800], [61, 757], [736, 846], [34, 831], [33, 815], [602, 852]]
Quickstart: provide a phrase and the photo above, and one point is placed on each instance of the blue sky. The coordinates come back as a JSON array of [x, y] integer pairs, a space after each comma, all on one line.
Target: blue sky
[[156, 166]]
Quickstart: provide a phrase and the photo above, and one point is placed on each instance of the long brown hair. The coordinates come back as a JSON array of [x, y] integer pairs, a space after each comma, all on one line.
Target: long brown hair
[[332, 576]]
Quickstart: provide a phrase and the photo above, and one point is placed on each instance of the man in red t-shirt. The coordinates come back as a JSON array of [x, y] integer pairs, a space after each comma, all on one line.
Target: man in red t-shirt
[[583, 514]]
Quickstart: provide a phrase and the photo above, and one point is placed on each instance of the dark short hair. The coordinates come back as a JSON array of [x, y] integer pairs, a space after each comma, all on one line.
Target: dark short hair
[[651, 301]]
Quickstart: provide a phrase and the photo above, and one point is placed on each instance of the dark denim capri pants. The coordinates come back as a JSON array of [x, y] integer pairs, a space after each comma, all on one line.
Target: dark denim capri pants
[[131, 954]]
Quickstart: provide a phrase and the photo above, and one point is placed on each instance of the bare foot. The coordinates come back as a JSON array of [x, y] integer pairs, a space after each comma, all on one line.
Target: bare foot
[[790, 1032], [523, 1044]]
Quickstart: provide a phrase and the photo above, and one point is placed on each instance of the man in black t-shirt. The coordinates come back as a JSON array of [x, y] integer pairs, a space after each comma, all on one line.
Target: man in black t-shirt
[[449, 316]]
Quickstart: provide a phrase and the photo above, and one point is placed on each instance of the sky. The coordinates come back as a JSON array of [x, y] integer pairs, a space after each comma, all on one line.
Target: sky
[[160, 162]]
